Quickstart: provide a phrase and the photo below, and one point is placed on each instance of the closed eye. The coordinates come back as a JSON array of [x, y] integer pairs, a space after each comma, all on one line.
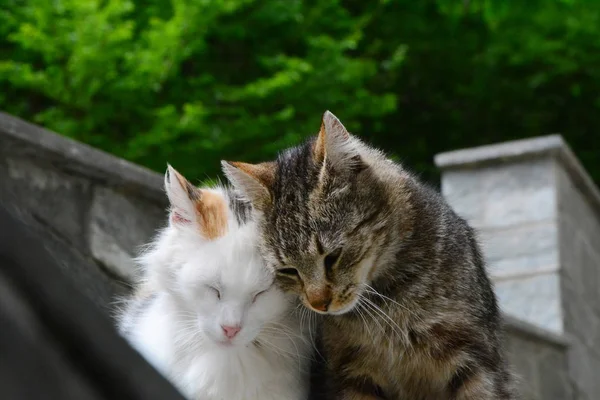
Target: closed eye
[[289, 272], [258, 294], [216, 292], [331, 259]]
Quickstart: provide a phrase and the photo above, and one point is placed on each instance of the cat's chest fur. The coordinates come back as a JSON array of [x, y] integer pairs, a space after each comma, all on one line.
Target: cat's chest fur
[[385, 350], [205, 371], [249, 373]]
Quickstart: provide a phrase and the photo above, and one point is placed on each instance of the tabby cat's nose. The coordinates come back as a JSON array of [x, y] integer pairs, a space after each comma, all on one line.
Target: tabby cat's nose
[[321, 305], [319, 300]]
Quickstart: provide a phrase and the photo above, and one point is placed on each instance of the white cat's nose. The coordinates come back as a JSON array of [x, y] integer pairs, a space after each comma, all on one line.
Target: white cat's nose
[[231, 331]]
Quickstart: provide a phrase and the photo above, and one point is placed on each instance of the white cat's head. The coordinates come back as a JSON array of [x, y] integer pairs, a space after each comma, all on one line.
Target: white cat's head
[[212, 267]]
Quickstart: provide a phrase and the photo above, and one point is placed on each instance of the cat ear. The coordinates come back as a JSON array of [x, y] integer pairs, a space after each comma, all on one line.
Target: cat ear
[[191, 207], [335, 145], [253, 181], [182, 197]]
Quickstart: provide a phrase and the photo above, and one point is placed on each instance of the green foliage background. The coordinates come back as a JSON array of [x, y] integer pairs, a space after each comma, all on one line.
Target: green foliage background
[[195, 81]]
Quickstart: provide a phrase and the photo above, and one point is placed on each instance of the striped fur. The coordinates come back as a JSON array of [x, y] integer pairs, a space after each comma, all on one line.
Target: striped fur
[[407, 309]]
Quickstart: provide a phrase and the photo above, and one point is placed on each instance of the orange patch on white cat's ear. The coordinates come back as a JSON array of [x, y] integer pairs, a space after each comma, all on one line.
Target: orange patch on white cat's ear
[[195, 208], [181, 194], [211, 211]]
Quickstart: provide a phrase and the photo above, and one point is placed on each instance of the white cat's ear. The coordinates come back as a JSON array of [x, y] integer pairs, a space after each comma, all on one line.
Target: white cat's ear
[[182, 196], [253, 181], [191, 207], [334, 144]]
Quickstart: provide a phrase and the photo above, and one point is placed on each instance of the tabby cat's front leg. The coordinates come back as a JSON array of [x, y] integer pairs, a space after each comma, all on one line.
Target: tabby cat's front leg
[[352, 394], [482, 385], [359, 388]]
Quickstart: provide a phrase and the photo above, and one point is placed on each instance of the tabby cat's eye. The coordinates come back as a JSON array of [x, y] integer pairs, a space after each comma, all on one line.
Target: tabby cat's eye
[[289, 272], [331, 259]]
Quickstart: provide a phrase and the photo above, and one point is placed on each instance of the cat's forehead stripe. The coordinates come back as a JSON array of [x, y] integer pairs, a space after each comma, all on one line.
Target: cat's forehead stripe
[[212, 211]]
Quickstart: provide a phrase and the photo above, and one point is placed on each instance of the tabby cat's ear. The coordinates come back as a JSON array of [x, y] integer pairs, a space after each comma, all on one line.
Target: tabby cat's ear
[[253, 181], [334, 145], [191, 207]]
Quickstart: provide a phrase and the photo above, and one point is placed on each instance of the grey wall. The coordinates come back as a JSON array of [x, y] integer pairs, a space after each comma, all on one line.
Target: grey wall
[[538, 213], [539, 358], [95, 210]]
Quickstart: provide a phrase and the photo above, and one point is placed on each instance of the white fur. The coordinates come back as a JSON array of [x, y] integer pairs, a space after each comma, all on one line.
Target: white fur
[[180, 333]]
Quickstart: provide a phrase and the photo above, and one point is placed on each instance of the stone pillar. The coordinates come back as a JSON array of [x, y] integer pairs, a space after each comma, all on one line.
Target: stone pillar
[[538, 215]]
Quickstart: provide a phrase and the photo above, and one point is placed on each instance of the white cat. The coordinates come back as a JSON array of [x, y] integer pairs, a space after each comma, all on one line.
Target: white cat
[[206, 313]]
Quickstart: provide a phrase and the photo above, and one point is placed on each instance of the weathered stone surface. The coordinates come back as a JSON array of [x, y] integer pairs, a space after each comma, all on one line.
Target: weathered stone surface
[[519, 193], [54, 198], [551, 147], [502, 196], [521, 250], [512, 151], [119, 225], [53, 180], [29, 141], [583, 369], [580, 233], [464, 191], [523, 266], [583, 324], [86, 274], [540, 361], [535, 299], [539, 216], [55, 344], [28, 352], [579, 245], [75, 264]]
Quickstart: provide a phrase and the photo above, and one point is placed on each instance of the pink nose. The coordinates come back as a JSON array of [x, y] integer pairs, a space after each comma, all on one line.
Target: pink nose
[[231, 331]]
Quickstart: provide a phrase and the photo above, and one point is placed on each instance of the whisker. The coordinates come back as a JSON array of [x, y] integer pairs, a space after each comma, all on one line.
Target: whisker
[[360, 314], [371, 315], [279, 351], [387, 319], [289, 334], [371, 290]]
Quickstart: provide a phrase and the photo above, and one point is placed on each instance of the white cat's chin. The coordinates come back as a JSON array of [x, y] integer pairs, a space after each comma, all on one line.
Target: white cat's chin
[[237, 343], [226, 344]]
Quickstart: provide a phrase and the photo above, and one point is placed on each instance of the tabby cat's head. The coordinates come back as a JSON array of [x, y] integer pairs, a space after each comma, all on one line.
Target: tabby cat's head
[[324, 215]]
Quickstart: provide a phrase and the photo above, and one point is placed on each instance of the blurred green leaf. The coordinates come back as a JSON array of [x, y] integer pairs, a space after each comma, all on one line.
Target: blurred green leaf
[[192, 82]]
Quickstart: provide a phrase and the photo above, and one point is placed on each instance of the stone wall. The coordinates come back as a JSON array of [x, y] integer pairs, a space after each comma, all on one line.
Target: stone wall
[[540, 360], [54, 342], [538, 213], [95, 210]]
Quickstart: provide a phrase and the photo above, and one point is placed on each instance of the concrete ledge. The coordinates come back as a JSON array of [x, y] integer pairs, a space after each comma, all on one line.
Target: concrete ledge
[[94, 209], [517, 150], [23, 138], [515, 326], [502, 152], [540, 361]]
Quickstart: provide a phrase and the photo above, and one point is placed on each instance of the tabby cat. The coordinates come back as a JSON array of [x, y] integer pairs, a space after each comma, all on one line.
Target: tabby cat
[[408, 311]]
